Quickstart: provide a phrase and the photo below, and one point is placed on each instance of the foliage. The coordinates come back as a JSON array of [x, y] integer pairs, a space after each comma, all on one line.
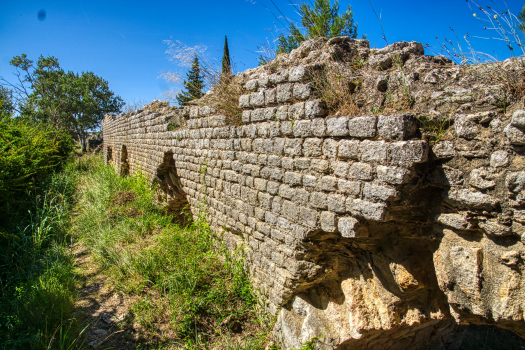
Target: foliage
[[28, 153], [173, 275], [521, 18], [226, 63], [6, 103], [37, 270], [193, 85], [66, 100]]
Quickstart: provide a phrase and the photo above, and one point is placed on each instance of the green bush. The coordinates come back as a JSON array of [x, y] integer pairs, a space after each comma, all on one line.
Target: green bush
[[28, 153]]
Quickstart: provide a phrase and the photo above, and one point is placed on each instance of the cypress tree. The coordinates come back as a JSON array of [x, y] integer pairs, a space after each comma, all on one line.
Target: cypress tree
[[193, 86], [226, 64]]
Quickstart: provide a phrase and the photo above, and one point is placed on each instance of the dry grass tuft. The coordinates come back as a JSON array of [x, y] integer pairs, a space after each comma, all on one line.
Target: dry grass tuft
[[224, 98]]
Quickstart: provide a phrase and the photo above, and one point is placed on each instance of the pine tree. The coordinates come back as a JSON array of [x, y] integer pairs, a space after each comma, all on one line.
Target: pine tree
[[226, 64], [193, 86]]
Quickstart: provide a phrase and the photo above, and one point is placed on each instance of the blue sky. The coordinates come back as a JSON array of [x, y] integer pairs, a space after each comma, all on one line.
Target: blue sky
[[122, 41]]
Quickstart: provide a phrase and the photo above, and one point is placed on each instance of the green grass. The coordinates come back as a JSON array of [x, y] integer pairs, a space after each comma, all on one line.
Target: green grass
[[37, 274], [176, 276]]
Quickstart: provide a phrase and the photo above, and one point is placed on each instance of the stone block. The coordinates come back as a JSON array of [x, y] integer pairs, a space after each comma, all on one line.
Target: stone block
[[302, 163], [397, 127], [340, 169], [244, 102], [302, 128], [293, 147], [282, 113], [330, 148], [315, 108], [257, 115], [246, 116], [349, 228], [337, 126], [406, 153], [301, 196], [312, 147], [272, 187], [270, 97], [499, 159], [287, 163], [349, 187], [296, 111], [328, 221], [392, 175], [366, 209], [457, 221], [276, 174], [279, 77], [336, 203], [260, 184], [263, 129], [469, 199], [515, 135], [328, 183], [362, 127], [298, 73], [518, 119], [308, 216], [275, 129], [251, 85], [270, 113], [318, 127], [373, 151], [378, 192], [290, 210], [320, 165], [293, 178], [286, 128], [360, 171], [284, 93], [444, 150], [349, 149], [257, 99], [302, 91], [274, 160], [309, 181], [286, 191], [318, 200]]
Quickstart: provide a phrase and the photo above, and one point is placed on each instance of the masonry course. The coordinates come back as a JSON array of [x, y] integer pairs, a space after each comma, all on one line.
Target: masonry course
[[358, 229]]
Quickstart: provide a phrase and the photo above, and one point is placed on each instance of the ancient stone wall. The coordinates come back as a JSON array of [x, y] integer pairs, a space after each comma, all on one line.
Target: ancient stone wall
[[383, 229]]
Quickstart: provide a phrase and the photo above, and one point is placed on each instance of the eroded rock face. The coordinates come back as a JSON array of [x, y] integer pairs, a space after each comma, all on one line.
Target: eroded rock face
[[388, 228]]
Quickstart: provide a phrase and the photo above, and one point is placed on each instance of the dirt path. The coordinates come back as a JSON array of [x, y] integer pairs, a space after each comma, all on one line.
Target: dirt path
[[101, 309]]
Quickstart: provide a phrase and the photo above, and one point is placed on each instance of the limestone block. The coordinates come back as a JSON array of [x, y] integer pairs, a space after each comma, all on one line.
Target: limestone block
[[366, 209], [251, 85], [302, 128], [318, 200], [290, 210], [373, 151], [257, 99], [296, 111], [272, 187], [515, 135], [378, 192], [360, 171], [318, 127], [336, 203], [482, 178], [298, 73], [406, 153], [340, 169], [362, 127], [328, 183], [288, 163], [518, 119], [392, 175], [515, 181], [476, 200], [310, 181], [337, 126], [282, 112], [263, 81], [397, 127], [315, 108], [292, 178], [286, 128], [246, 116], [302, 163], [349, 149], [349, 187], [492, 227], [444, 150], [499, 158], [279, 77], [270, 113], [349, 228], [328, 221], [284, 93], [293, 147], [466, 126], [380, 62], [457, 221], [330, 148], [257, 115], [309, 216], [263, 129], [302, 91]]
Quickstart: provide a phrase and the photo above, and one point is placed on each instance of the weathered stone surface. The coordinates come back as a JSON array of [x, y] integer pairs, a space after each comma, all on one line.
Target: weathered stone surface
[[444, 150], [457, 221], [499, 159], [362, 126], [518, 119], [397, 127], [365, 209], [337, 126], [475, 200], [515, 135], [407, 153], [392, 175]]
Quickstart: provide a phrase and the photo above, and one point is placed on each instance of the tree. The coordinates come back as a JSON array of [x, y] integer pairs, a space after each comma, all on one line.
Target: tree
[[193, 85], [322, 20], [66, 101], [6, 103], [226, 63]]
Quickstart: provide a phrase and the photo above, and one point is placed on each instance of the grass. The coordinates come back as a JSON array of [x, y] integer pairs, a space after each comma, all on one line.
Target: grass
[[186, 290], [37, 276]]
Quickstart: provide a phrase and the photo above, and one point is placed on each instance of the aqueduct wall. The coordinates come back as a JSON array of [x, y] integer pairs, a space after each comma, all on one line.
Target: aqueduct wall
[[383, 230]]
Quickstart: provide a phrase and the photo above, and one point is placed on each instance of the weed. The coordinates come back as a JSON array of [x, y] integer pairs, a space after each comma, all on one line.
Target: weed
[[434, 129], [181, 277]]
